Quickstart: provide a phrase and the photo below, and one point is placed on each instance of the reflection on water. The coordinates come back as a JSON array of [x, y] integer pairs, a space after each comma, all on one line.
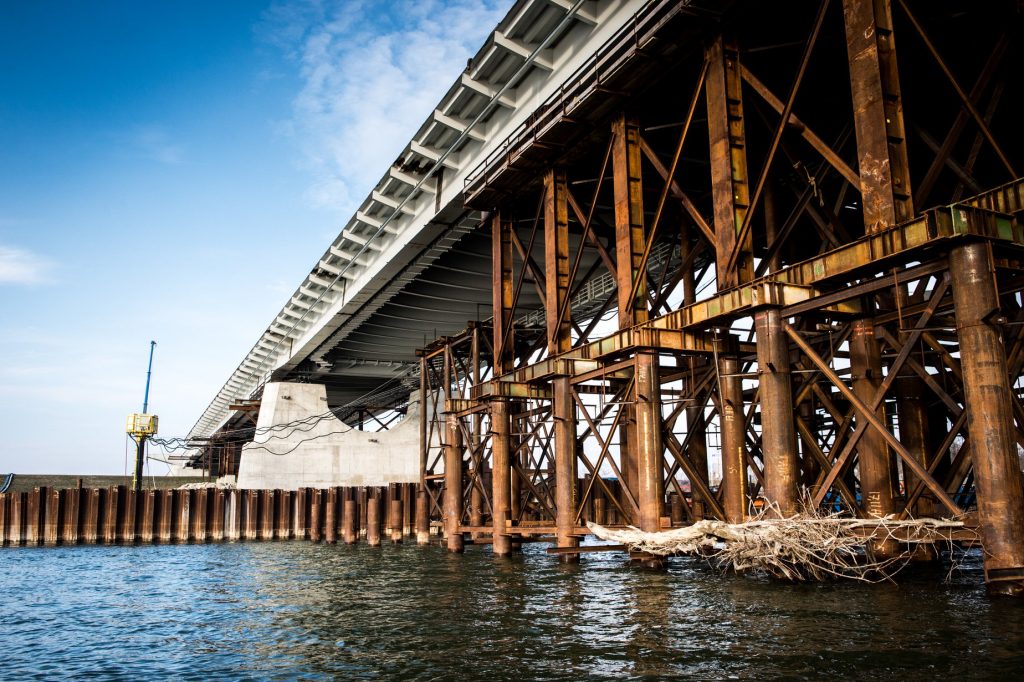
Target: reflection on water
[[296, 610]]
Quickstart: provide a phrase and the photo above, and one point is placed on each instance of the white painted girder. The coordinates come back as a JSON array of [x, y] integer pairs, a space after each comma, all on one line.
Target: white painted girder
[[581, 27]]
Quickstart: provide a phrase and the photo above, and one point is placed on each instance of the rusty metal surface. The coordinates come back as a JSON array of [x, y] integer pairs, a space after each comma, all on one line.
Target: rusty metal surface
[[990, 422], [805, 333]]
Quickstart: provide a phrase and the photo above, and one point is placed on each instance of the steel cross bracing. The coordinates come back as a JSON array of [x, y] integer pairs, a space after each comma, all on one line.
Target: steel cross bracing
[[821, 337]]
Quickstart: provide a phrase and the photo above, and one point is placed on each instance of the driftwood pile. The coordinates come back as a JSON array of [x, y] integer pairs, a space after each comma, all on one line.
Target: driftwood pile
[[805, 546]]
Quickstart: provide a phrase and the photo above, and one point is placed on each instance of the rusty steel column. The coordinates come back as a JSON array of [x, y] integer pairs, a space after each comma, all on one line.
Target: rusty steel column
[[627, 181], [453, 485], [734, 449], [729, 181], [559, 315], [877, 114], [873, 457], [913, 425], [422, 497], [730, 193], [990, 425], [649, 447], [517, 457], [501, 461], [914, 431], [627, 187], [503, 344], [697, 448], [698, 453], [452, 466], [476, 464], [564, 414], [778, 432], [885, 194]]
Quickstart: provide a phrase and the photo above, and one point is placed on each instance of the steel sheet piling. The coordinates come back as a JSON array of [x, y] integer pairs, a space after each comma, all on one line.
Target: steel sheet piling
[[111, 515], [217, 516], [422, 517], [408, 496], [16, 525], [315, 515], [164, 515], [373, 517], [285, 505], [198, 518], [52, 517], [362, 494], [233, 515], [147, 517], [331, 517], [349, 516], [268, 503], [183, 515], [396, 513], [5, 517], [36, 508]]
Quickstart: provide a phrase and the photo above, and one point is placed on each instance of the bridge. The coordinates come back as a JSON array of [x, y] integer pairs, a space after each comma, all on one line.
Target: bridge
[[654, 261]]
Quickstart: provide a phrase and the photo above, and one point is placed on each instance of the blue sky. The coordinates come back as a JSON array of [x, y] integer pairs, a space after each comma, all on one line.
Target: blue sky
[[171, 171]]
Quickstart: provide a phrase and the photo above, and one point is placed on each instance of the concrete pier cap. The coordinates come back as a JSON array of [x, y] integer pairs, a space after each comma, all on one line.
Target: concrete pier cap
[[298, 444]]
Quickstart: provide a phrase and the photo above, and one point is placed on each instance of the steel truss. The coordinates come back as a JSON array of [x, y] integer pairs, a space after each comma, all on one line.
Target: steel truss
[[787, 327]]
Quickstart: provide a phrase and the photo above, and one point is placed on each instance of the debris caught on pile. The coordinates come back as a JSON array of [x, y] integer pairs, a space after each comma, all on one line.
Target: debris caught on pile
[[802, 547]]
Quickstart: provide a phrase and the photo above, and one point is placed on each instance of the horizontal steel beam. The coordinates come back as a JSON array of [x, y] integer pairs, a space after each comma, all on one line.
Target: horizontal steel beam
[[685, 330]]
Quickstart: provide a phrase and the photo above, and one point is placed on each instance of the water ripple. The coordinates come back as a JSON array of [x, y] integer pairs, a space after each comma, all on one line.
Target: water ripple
[[292, 610]]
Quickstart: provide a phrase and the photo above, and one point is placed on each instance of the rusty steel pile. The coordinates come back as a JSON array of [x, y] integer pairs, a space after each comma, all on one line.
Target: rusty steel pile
[[120, 515], [778, 246]]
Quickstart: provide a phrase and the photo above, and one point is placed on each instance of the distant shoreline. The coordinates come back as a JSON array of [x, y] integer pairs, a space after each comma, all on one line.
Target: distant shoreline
[[26, 482]]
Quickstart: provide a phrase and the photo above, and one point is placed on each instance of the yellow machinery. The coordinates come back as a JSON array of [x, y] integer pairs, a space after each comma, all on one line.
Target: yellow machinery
[[142, 425]]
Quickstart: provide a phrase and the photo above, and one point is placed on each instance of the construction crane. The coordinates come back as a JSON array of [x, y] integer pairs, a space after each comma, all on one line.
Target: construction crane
[[142, 426]]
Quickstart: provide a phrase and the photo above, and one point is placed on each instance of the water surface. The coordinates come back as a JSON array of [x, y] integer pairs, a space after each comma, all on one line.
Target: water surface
[[286, 610]]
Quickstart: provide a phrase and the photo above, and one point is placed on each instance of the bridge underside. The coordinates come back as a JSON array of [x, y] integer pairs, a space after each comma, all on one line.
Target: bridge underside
[[810, 222], [748, 256]]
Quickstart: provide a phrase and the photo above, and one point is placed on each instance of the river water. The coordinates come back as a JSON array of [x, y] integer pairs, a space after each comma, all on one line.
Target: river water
[[287, 610]]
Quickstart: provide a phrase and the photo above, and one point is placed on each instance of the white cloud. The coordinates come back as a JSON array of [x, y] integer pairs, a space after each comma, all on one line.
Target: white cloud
[[18, 266], [153, 142], [371, 73]]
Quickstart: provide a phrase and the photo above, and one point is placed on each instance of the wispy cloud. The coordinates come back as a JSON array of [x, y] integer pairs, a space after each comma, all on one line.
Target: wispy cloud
[[18, 266], [153, 142], [281, 287], [370, 76]]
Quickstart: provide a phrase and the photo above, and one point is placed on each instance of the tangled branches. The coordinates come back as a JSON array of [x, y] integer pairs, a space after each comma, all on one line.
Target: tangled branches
[[801, 547]]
